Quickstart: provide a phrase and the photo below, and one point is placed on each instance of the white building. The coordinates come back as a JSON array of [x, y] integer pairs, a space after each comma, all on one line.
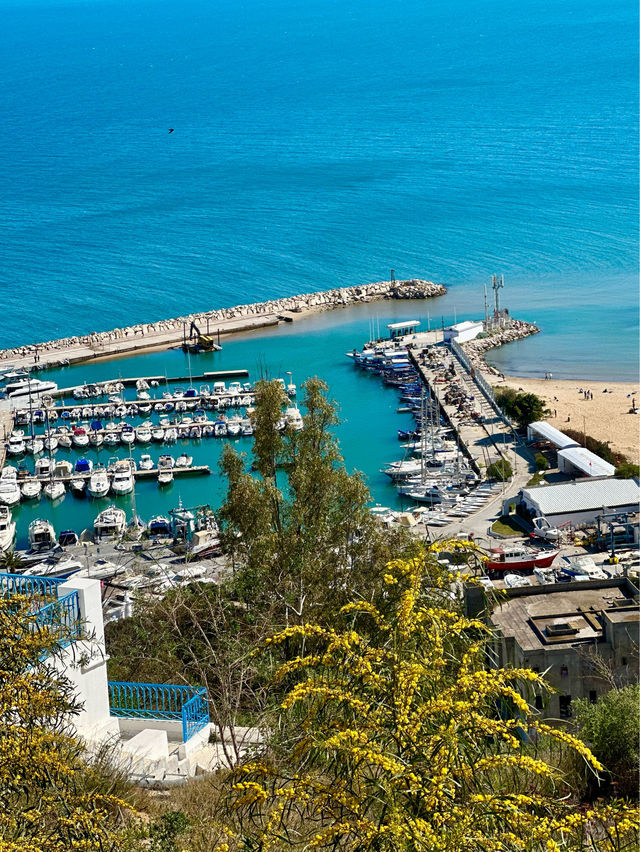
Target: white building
[[461, 332], [581, 500], [545, 432], [582, 462]]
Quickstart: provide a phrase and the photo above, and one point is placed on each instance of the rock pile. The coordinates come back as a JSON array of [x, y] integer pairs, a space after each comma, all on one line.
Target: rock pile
[[516, 330], [414, 288]]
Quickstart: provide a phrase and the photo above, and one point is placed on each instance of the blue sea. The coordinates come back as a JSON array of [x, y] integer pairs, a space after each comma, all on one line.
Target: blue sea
[[319, 144]]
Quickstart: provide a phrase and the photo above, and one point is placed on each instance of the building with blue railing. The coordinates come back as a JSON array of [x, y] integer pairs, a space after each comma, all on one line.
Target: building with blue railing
[[148, 725]]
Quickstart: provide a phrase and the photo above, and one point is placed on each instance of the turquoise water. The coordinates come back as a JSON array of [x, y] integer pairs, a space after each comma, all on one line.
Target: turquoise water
[[322, 143]]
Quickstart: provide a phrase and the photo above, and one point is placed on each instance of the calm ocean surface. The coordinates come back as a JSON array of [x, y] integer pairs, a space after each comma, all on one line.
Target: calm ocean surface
[[319, 144]]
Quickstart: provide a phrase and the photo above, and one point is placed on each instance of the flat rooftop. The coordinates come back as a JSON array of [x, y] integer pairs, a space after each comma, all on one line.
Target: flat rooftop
[[563, 616]]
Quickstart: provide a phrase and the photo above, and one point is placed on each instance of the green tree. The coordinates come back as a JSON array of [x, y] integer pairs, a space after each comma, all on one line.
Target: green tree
[[524, 408], [611, 728], [500, 470]]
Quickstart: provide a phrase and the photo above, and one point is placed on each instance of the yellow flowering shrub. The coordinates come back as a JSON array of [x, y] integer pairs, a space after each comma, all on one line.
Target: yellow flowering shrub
[[396, 735], [46, 800]]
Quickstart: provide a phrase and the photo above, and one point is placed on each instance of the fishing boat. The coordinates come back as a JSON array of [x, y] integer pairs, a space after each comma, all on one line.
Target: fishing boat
[[98, 482], [515, 558], [41, 535], [31, 489], [111, 522], [7, 529], [54, 489], [122, 482]]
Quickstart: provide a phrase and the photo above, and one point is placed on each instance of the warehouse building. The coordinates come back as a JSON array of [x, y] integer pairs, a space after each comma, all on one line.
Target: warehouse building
[[579, 501]]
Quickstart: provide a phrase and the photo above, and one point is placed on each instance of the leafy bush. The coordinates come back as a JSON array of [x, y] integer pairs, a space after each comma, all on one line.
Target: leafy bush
[[627, 470], [541, 462], [500, 470], [611, 727]]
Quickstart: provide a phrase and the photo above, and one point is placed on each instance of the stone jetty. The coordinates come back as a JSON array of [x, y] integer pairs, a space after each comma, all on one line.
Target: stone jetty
[[475, 349], [224, 320]]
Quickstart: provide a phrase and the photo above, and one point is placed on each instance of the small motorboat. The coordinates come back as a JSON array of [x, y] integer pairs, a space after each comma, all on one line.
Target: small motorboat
[[98, 482], [83, 466], [64, 441], [111, 439], [128, 435], [67, 538], [143, 434], [44, 466], [77, 486], [165, 470], [15, 446], [146, 462], [31, 489], [10, 493], [36, 445], [54, 489], [159, 527], [171, 435], [122, 482], [80, 437], [184, 460], [157, 433]]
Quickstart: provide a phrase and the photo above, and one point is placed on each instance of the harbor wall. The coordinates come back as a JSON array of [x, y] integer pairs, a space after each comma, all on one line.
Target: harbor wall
[[224, 320], [475, 349]]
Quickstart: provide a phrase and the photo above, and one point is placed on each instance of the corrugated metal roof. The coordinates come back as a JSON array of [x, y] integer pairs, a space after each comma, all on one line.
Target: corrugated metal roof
[[586, 461], [549, 433], [584, 494]]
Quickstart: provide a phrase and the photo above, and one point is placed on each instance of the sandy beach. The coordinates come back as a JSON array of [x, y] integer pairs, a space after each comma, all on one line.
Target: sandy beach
[[606, 417]]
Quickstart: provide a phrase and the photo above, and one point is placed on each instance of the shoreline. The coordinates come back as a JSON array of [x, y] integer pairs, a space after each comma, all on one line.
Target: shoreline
[[224, 321]]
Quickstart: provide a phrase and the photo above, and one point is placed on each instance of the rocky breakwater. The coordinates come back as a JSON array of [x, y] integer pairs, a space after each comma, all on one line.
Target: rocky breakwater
[[475, 349], [171, 330]]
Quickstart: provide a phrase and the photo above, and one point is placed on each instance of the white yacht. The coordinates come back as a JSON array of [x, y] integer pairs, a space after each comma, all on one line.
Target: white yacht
[[43, 466], [9, 492], [122, 482], [110, 522], [29, 387], [42, 535], [54, 489], [31, 489], [7, 529], [98, 481], [15, 446]]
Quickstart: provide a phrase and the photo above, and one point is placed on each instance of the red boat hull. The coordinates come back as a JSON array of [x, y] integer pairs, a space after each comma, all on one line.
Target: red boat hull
[[538, 560]]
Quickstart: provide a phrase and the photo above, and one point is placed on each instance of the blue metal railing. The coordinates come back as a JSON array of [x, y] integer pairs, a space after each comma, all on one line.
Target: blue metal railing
[[18, 584], [58, 613], [161, 701], [62, 616]]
